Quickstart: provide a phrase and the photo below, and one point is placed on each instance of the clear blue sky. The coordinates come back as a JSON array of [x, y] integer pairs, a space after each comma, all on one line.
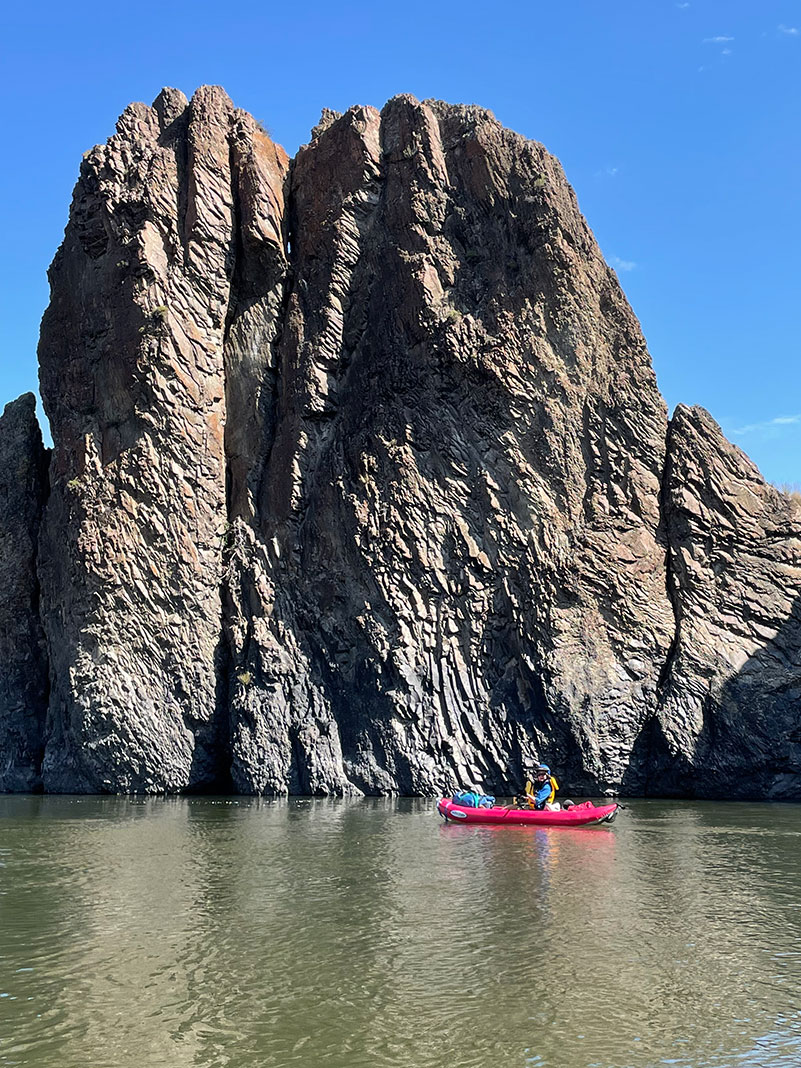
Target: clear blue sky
[[677, 124]]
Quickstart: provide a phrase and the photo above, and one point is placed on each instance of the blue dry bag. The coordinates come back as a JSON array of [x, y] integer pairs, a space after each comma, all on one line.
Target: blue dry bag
[[470, 799]]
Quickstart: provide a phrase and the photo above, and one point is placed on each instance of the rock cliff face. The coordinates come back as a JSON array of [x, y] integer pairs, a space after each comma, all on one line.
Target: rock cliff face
[[166, 219], [362, 483], [730, 719], [458, 565], [23, 662]]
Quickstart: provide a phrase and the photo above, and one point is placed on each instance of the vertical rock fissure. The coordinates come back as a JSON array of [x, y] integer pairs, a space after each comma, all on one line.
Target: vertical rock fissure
[[670, 578], [262, 518], [37, 612], [637, 780], [257, 298]]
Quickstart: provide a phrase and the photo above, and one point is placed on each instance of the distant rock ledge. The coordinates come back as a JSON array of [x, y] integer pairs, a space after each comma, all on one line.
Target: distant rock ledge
[[362, 483]]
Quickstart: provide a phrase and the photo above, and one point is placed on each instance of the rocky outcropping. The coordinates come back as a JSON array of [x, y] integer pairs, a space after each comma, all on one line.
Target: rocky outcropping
[[729, 722], [23, 661], [134, 370], [362, 482]]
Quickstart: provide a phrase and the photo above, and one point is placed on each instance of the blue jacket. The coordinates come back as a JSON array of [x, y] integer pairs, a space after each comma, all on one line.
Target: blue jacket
[[543, 794]]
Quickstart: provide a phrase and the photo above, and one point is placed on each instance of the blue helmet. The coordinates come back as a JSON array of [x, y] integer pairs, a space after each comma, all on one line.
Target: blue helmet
[[543, 767]]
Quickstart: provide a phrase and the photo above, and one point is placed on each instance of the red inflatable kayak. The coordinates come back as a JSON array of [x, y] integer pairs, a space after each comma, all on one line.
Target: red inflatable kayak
[[577, 816]]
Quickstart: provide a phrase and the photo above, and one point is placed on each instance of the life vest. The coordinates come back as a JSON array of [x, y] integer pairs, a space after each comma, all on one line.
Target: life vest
[[532, 789]]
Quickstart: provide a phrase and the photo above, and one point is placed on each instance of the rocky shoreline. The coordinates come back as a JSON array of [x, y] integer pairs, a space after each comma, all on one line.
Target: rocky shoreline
[[362, 483]]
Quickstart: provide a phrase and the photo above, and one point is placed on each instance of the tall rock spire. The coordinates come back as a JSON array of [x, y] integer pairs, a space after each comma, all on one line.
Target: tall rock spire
[[23, 661], [132, 359]]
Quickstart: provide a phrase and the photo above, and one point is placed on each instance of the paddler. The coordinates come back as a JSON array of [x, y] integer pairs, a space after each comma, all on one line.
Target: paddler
[[541, 792]]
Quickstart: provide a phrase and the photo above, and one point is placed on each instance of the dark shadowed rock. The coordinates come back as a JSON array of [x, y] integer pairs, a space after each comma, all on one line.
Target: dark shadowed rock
[[730, 719], [23, 664]]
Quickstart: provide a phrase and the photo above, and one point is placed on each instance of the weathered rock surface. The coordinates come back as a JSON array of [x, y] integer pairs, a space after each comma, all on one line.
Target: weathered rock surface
[[459, 565], [23, 662], [133, 379], [730, 720], [362, 482]]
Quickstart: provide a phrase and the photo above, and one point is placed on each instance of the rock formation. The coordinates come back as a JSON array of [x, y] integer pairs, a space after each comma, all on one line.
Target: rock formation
[[468, 443], [362, 483], [729, 722], [133, 379], [23, 661]]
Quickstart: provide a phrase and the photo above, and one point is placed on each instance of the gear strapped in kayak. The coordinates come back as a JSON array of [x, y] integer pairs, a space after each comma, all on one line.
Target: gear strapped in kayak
[[575, 816]]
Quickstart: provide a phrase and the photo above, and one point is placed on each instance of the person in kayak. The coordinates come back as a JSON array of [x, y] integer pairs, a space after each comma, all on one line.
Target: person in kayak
[[541, 789]]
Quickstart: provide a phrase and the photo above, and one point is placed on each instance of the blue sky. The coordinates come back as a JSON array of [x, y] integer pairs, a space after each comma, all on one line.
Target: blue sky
[[677, 124]]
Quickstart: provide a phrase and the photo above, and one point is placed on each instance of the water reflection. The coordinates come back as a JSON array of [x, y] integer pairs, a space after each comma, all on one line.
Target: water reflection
[[244, 933]]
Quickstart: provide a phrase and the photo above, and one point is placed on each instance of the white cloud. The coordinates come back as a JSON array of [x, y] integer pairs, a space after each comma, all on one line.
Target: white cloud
[[607, 172], [683, 7], [717, 40], [726, 52], [621, 265], [791, 31], [768, 425]]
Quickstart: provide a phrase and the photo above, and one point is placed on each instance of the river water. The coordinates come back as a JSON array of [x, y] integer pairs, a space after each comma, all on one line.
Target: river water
[[246, 934]]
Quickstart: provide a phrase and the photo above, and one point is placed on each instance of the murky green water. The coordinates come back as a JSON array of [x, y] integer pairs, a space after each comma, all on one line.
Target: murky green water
[[247, 934]]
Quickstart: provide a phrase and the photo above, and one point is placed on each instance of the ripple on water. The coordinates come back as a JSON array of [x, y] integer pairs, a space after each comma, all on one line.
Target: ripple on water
[[210, 933]]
